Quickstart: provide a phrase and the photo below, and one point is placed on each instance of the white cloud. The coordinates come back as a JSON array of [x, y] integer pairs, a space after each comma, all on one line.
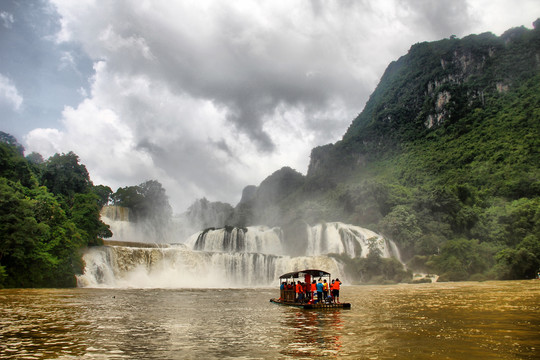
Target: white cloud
[[497, 16], [7, 19], [9, 93], [209, 96]]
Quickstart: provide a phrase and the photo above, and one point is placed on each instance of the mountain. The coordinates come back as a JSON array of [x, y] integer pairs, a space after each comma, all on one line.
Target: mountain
[[444, 160]]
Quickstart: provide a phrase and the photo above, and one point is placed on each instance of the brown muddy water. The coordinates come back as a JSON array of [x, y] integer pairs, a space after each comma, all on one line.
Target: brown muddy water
[[490, 320]]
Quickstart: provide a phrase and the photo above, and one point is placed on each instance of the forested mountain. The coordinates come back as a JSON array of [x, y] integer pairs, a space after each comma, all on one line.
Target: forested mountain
[[444, 160]]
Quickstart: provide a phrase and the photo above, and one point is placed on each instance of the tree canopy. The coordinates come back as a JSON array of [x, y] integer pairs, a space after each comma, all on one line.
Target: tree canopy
[[48, 212]]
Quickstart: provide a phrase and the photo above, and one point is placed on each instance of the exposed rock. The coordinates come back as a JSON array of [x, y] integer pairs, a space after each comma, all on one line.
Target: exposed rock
[[502, 87], [116, 213]]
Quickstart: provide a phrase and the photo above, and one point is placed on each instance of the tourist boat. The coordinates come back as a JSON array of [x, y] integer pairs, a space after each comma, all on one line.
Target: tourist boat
[[288, 296]]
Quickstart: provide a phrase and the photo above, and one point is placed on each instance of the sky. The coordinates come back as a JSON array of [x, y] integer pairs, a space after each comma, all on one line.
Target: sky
[[208, 97]]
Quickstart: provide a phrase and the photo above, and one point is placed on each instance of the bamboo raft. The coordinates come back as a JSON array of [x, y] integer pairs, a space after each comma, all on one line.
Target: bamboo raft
[[315, 306], [288, 296]]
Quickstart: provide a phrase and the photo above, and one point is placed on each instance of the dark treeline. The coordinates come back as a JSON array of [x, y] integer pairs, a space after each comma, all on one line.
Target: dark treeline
[[50, 211]]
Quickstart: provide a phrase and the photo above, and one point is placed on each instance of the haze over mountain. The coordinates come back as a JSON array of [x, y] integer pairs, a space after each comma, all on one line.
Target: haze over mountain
[[444, 159]]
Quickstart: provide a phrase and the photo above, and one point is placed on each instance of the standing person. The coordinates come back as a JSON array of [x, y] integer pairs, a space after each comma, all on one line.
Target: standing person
[[320, 287], [336, 287], [313, 290], [300, 292], [325, 290], [333, 290]]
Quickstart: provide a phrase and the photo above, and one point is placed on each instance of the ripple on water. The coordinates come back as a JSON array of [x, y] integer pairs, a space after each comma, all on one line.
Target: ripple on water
[[460, 320]]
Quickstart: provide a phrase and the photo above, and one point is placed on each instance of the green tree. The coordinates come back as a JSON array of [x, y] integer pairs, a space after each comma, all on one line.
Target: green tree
[[19, 230], [401, 225], [461, 258], [85, 213], [41, 233], [14, 167], [64, 176], [104, 194], [522, 262], [11, 141]]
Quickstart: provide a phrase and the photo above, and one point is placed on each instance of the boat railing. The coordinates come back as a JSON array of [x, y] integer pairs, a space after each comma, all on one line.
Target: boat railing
[[288, 295]]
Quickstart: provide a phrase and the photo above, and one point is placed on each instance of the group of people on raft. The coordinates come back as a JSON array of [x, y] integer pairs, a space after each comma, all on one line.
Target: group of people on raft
[[316, 292]]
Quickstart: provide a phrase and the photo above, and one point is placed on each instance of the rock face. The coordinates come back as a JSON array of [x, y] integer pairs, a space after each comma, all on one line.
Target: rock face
[[434, 85], [248, 194], [204, 214], [116, 213]]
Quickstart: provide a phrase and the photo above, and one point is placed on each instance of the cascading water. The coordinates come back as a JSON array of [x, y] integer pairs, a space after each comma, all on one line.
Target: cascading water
[[228, 257]]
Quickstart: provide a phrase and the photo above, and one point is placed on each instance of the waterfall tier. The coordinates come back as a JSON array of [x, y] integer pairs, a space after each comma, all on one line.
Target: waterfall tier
[[180, 267], [230, 257], [321, 239]]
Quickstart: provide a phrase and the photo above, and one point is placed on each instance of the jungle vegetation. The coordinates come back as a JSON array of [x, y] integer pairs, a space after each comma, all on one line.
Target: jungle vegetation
[[50, 211]]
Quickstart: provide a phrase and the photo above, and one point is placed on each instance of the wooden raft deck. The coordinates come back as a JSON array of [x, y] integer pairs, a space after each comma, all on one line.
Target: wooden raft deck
[[318, 306]]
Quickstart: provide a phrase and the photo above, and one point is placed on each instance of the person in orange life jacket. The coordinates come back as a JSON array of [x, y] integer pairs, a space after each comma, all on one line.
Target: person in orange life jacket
[[313, 290], [335, 294], [325, 290], [306, 289], [333, 290], [300, 292]]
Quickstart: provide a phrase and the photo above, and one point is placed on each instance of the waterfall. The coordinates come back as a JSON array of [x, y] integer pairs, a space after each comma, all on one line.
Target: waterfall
[[227, 257], [339, 238], [323, 239], [253, 239], [180, 267]]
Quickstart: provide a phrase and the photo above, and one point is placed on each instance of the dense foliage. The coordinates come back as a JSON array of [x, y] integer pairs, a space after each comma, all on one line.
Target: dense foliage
[[48, 212]]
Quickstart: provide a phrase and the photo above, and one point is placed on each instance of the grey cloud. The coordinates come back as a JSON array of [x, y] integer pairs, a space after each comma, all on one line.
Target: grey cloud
[[440, 18], [239, 65], [321, 59]]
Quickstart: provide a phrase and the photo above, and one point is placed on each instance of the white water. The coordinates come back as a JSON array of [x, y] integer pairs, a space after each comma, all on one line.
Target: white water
[[180, 267], [339, 238], [323, 239], [221, 258]]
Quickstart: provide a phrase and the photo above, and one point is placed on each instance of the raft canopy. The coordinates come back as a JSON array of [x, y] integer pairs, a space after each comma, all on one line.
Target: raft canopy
[[297, 274]]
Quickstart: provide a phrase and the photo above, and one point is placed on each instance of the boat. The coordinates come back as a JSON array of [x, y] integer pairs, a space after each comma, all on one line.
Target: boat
[[288, 296]]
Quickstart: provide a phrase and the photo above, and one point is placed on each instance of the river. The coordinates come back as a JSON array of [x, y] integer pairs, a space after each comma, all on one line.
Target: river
[[489, 320]]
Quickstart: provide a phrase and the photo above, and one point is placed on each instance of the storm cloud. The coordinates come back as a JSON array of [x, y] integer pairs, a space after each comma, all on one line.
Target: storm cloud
[[208, 97]]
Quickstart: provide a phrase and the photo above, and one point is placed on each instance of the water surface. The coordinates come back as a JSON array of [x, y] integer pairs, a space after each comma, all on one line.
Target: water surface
[[491, 320]]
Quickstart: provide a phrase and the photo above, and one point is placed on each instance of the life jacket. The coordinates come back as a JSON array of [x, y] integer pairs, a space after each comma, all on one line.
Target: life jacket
[[313, 287], [336, 285], [325, 286], [299, 288]]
